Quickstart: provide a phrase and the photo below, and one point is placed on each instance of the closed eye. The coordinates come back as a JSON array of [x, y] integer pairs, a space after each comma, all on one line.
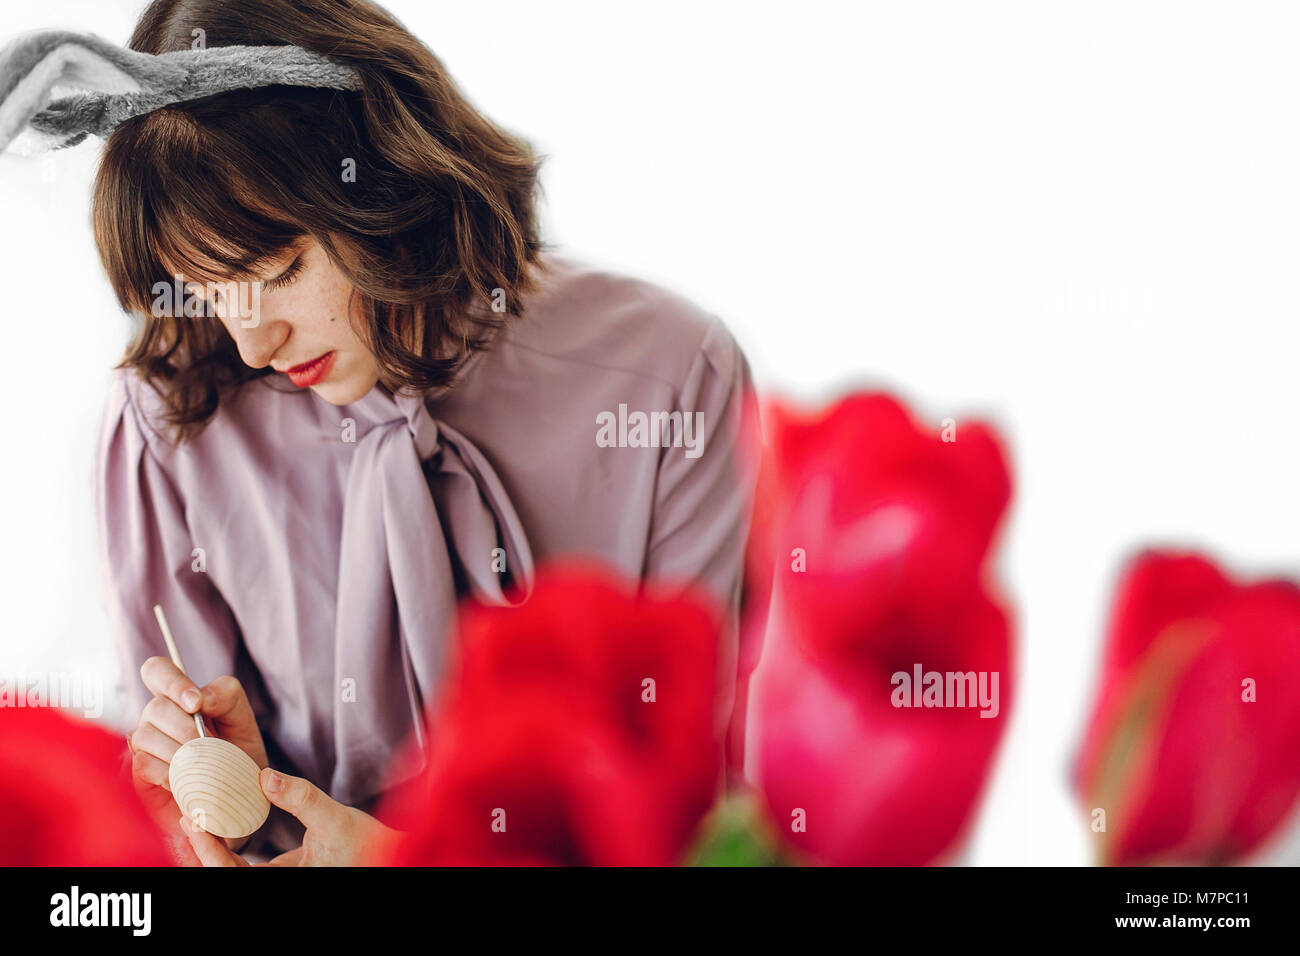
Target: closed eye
[[287, 277]]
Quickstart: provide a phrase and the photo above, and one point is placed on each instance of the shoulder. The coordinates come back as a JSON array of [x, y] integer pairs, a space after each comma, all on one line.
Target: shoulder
[[138, 412], [136, 409], [583, 315]]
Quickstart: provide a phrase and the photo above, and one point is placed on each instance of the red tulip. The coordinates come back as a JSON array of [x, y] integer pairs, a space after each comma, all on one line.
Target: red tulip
[[756, 592], [1193, 748], [587, 716], [533, 782], [877, 533], [65, 799], [882, 511]]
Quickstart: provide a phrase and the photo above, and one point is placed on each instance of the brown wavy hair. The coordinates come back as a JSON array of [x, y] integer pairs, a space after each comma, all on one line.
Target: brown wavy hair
[[440, 217]]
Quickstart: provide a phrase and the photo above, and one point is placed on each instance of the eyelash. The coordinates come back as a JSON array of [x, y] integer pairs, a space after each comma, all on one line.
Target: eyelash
[[288, 277]]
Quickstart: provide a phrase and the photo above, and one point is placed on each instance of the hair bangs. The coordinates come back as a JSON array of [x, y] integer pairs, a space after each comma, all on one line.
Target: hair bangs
[[168, 204]]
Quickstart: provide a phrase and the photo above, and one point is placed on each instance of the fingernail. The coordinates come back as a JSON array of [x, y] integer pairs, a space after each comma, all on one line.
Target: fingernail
[[190, 699], [274, 782], [185, 824]]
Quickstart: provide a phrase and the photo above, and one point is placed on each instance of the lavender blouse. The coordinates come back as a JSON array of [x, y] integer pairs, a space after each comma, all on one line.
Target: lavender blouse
[[318, 552]]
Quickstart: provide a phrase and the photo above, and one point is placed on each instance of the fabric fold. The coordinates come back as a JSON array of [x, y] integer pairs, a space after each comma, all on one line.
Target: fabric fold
[[446, 530]]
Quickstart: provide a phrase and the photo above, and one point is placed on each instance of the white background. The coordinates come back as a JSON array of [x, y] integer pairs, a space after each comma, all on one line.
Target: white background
[[1080, 220]]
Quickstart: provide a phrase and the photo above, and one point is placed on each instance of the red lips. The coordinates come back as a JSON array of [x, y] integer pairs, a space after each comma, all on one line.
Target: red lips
[[310, 373]]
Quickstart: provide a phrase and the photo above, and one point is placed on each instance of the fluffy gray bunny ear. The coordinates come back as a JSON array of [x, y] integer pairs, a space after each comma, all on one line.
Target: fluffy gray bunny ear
[[37, 67], [111, 84]]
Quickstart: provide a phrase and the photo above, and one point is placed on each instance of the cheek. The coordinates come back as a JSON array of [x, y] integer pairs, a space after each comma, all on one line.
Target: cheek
[[316, 314], [338, 310], [352, 325], [348, 314]]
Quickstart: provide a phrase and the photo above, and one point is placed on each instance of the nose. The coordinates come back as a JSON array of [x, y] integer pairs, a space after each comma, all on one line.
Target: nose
[[258, 337]]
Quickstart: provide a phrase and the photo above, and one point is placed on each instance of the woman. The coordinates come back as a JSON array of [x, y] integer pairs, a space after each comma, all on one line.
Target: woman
[[403, 399]]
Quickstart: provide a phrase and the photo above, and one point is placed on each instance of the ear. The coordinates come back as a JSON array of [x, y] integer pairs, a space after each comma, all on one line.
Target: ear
[[36, 68], [112, 84]]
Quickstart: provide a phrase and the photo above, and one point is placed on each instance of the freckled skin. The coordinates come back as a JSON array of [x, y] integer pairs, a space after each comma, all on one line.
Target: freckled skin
[[297, 323]]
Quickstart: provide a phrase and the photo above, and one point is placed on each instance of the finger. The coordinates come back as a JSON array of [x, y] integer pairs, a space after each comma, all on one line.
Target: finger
[[210, 850], [163, 713], [291, 858], [149, 769], [298, 796], [164, 678], [157, 801], [179, 849], [224, 698], [149, 739]]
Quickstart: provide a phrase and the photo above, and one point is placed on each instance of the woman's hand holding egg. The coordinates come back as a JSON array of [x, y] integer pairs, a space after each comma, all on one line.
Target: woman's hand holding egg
[[167, 722]]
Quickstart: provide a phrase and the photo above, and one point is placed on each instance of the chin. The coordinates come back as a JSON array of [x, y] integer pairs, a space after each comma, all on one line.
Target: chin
[[345, 392]]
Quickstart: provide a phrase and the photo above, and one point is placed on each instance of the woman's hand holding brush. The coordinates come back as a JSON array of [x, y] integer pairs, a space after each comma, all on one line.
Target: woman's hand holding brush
[[167, 722], [203, 743]]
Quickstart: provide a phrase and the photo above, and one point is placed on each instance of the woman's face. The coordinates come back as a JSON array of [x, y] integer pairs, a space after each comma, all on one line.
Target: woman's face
[[303, 327]]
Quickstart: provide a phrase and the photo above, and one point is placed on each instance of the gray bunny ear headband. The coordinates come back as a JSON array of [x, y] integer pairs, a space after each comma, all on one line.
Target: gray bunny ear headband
[[62, 87]]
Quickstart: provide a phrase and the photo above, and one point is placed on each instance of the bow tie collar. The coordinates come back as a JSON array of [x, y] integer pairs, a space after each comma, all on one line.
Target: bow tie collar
[[426, 521]]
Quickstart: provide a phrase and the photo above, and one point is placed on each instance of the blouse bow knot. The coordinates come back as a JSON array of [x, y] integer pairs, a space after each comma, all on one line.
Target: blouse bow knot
[[447, 530]]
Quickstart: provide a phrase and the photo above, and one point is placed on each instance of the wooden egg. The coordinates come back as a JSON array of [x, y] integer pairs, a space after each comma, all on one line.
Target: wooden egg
[[216, 786]]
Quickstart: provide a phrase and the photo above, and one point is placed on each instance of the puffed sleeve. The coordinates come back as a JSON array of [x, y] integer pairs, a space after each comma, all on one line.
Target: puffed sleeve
[[703, 501], [147, 557]]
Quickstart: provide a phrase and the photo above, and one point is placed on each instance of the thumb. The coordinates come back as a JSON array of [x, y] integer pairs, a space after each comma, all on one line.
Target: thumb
[[225, 699], [300, 797]]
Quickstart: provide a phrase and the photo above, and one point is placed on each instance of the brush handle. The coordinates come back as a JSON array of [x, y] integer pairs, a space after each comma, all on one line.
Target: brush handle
[[176, 658]]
